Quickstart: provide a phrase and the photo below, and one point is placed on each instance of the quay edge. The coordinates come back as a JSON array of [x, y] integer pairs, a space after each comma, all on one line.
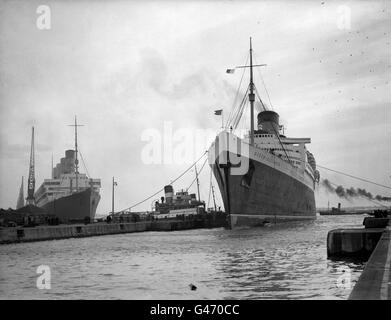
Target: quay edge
[[373, 242], [375, 281], [42, 233]]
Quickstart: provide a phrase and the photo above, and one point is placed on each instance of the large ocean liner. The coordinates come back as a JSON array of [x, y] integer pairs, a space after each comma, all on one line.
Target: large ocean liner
[[69, 194], [264, 176]]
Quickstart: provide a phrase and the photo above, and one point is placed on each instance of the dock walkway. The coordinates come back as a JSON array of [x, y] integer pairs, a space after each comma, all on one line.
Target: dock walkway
[[375, 281]]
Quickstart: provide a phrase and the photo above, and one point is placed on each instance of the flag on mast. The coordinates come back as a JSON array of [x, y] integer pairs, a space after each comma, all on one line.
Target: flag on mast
[[220, 113]]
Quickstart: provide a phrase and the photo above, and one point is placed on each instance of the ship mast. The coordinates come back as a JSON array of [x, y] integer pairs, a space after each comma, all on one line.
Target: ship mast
[[198, 183], [214, 200], [76, 160], [30, 200], [76, 152], [112, 196], [251, 96]]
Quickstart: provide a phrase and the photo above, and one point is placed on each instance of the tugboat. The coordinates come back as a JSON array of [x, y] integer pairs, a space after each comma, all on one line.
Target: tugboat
[[180, 203]]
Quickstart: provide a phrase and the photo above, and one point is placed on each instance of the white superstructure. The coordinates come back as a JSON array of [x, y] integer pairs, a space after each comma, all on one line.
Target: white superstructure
[[63, 182]]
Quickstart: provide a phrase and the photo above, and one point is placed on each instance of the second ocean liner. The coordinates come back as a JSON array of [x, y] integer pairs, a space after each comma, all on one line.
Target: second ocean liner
[[69, 194]]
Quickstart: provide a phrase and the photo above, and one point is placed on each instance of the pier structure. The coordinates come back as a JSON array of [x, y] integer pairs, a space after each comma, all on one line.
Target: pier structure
[[375, 281], [64, 231], [372, 243]]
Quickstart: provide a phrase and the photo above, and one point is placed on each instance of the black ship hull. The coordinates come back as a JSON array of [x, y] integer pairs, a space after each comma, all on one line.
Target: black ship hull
[[269, 195], [75, 207]]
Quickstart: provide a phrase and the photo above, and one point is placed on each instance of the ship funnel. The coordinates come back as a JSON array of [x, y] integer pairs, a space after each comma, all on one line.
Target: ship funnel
[[70, 154], [169, 193], [269, 121]]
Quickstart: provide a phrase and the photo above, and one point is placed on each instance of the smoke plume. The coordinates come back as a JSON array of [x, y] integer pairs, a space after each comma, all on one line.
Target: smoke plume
[[351, 193]]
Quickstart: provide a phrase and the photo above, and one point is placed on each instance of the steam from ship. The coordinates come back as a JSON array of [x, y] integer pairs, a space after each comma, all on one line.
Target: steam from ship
[[351, 193]]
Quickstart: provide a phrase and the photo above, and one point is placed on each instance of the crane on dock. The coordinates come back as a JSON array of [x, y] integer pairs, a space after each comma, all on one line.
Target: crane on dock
[[30, 200], [20, 201]]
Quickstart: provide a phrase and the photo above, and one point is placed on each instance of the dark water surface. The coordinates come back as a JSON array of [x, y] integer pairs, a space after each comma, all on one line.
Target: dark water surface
[[286, 261]]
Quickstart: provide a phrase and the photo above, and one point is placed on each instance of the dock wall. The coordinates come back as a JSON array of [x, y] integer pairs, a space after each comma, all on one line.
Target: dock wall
[[373, 242], [12, 235], [28, 234], [375, 281], [358, 243]]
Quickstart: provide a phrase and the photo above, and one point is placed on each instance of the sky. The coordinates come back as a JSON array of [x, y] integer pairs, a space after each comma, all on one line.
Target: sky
[[130, 70]]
